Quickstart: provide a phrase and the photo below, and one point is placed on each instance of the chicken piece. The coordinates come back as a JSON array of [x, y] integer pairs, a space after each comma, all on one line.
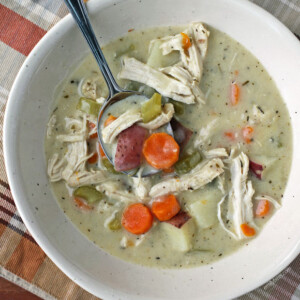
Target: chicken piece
[[192, 59], [86, 178], [239, 198], [164, 118], [88, 88], [50, 126], [183, 75], [124, 121], [141, 187], [201, 175], [55, 168], [116, 190], [205, 134], [76, 158], [135, 70], [213, 153]]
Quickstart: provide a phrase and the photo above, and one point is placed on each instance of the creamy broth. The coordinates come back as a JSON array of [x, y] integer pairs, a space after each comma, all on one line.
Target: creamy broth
[[227, 61]]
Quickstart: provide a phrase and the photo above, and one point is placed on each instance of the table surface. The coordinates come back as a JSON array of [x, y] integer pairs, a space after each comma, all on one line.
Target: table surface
[[10, 291]]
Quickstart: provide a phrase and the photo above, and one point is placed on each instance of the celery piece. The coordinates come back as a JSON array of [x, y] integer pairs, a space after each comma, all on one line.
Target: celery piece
[[109, 167], [115, 224], [187, 163], [152, 108], [178, 107], [88, 193], [89, 106]]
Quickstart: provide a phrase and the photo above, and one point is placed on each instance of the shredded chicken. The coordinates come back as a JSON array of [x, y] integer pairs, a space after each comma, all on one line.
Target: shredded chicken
[[116, 190], [88, 88], [164, 118], [141, 187], [55, 168], [50, 126], [86, 178], [124, 121], [239, 197], [135, 70], [218, 152], [205, 133], [183, 75], [195, 179]]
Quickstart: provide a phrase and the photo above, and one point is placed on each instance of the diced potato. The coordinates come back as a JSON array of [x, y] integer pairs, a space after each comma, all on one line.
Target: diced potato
[[180, 239], [204, 210], [157, 60]]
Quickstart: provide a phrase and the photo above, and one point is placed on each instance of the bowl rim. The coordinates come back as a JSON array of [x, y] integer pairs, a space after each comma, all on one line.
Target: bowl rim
[[54, 254]]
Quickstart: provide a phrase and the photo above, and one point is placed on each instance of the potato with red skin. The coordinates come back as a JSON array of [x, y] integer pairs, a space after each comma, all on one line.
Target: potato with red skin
[[129, 148]]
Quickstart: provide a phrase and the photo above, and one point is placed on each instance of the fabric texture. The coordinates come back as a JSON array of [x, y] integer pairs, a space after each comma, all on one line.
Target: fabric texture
[[23, 23]]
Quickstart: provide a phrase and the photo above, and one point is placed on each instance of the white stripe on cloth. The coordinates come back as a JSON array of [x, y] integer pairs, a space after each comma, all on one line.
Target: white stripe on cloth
[[291, 5], [34, 12]]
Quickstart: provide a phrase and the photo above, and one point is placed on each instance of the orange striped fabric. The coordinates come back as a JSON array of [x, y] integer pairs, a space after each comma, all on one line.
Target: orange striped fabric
[[22, 261]]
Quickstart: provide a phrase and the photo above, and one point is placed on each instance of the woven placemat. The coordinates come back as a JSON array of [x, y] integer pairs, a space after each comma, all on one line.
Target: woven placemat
[[23, 23]]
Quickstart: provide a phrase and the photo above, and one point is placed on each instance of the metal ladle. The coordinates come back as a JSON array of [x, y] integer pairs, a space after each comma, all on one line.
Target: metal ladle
[[115, 93]]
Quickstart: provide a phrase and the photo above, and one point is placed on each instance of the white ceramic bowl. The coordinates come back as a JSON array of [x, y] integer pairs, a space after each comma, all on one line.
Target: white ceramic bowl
[[24, 130]]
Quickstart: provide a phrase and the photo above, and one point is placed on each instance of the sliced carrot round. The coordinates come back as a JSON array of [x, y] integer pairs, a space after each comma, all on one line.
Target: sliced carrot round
[[166, 207], [263, 208], [109, 120], [248, 230], [101, 151], [137, 218], [161, 150]]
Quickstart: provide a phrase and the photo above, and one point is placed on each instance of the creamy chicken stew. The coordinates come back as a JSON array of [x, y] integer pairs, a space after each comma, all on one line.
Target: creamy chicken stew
[[220, 171]]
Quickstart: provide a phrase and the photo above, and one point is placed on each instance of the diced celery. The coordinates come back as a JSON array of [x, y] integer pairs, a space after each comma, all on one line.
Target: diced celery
[[109, 167], [152, 108], [187, 163], [115, 224], [89, 106], [178, 107], [88, 193]]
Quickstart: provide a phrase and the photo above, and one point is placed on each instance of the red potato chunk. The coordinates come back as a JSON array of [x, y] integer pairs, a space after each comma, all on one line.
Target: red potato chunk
[[182, 134], [129, 148], [179, 220]]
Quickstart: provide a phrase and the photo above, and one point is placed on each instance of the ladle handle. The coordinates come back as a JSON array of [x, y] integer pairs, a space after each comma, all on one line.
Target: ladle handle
[[80, 15]]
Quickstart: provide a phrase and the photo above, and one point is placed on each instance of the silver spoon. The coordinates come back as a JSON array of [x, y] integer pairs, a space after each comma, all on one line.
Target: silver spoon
[[115, 93]]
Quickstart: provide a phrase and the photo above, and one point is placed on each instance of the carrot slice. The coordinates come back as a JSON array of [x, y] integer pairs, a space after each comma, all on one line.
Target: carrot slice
[[234, 93], [109, 120], [186, 41], [247, 230], [166, 207], [263, 208], [91, 127], [81, 204], [137, 218], [93, 159], [247, 134], [161, 150]]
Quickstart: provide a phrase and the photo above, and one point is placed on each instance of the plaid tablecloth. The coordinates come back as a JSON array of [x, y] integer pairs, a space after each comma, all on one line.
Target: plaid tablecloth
[[22, 25]]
